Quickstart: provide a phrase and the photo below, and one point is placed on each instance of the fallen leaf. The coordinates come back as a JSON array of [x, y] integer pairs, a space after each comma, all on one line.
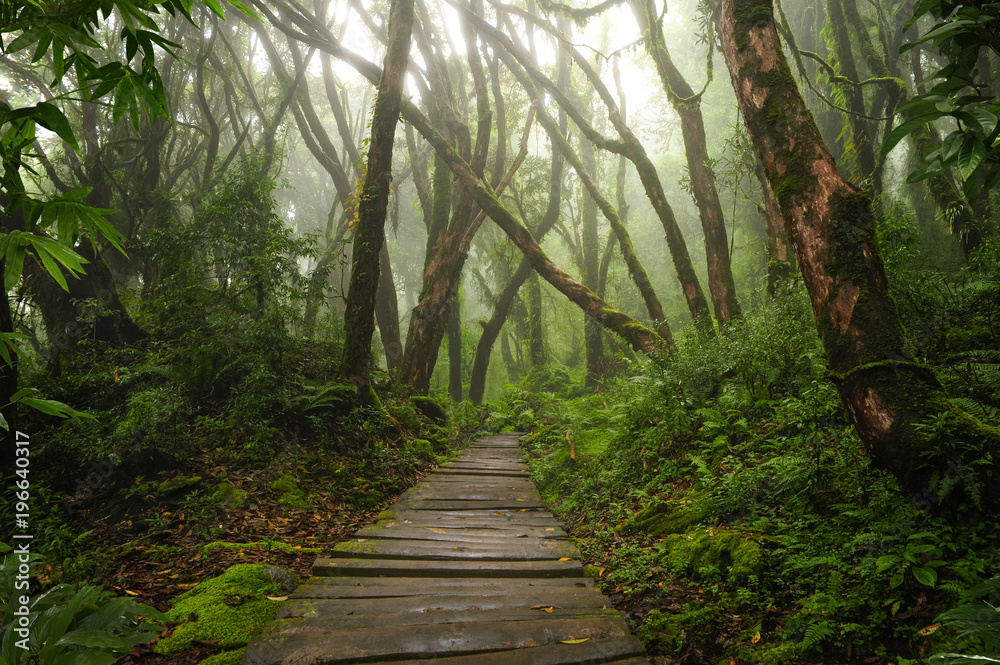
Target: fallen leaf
[[756, 638], [544, 608], [601, 572], [277, 597], [133, 593], [566, 558], [434, 529], [928, 630], [579, 641]]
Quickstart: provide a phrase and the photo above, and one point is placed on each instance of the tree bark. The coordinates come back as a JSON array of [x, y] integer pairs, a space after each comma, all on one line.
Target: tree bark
[[359, 316], [536, 340], [592, 333], [687, 104], [886, 394], [387, 312], [455, 348], [780, 261]]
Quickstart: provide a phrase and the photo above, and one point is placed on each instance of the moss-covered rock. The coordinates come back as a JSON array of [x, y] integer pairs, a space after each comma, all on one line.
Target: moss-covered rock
[[422, 448], [668, 517], [234, 657], [231, 608], [178, 485], [289, 492], [731, 552], [430, 408], [667, 633], [227, 494]]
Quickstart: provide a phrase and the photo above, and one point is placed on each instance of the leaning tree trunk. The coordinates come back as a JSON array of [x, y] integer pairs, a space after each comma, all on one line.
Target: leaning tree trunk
[[454, 332], [387, 312], [359, 317], [832, 227], [687, 104]]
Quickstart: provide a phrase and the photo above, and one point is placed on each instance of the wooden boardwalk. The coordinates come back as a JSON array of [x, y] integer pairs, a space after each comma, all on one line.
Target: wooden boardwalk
[[468, 567]]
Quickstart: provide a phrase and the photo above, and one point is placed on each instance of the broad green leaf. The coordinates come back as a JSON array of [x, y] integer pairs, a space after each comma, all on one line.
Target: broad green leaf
[[52, 118], [14, 263], [896, 580], [971, 155], [53, 408], [903, 130], [216, 7], [926, 576], [93, 638]]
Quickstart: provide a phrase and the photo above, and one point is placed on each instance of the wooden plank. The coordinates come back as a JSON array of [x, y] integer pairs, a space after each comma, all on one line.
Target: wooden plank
[[292, 641], [617, 650], [401, 587], [457, 533], [461, 504], [521, 598], [426, 550], [416, 568]]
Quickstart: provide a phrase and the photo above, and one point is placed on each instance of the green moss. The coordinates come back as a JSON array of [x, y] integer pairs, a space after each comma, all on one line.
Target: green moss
[[750, 14], [226, 494], [430, 408], [226, 658], [670, 517], [231, 608], [665, 633], [735, 556], [289, 493], [178, 484], [270, 546], [423, 449]]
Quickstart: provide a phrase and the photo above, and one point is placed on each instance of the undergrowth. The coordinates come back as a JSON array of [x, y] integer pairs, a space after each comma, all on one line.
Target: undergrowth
[[734, 509]]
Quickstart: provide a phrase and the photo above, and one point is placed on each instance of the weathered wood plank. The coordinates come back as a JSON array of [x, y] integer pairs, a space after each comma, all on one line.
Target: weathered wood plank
[[617, 650], [458, 533], [515, 550], [294, 640], [513, 598], [419, 568], [400, 587]]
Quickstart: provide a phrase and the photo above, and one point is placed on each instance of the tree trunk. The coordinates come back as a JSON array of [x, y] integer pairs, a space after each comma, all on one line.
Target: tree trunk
[[387, 312], [536, 341], [592, 333], [780, 261], [455, 349], [886, 394], [359, 319], [637, 335], [687, 104]]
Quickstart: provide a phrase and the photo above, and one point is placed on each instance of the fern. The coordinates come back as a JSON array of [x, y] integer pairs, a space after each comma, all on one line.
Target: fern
[[815, 635]]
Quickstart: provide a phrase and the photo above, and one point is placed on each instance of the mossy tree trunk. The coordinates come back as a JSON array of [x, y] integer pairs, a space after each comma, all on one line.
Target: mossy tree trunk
[[359, 316], [687, 104], [387, 312], [780, 259], [455, 348], [886, 394], [637, 335], [536, 340], [592, 333]]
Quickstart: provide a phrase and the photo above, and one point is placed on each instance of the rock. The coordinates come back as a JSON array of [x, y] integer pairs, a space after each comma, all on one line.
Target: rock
[[430, 408], [281, 578], [289, 493], [226, 494], [178, 484]]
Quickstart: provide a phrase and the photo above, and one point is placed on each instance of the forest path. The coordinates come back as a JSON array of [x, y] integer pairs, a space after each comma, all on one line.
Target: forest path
[[468, 566]]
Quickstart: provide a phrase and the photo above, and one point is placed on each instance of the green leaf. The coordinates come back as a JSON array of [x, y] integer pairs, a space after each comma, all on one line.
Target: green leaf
[[926, 576], [905, 128], [93, 638], [51, 117], [53, 408], [14, 263], [896, 580], [886, 561], [971, 155], [216, 7]]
